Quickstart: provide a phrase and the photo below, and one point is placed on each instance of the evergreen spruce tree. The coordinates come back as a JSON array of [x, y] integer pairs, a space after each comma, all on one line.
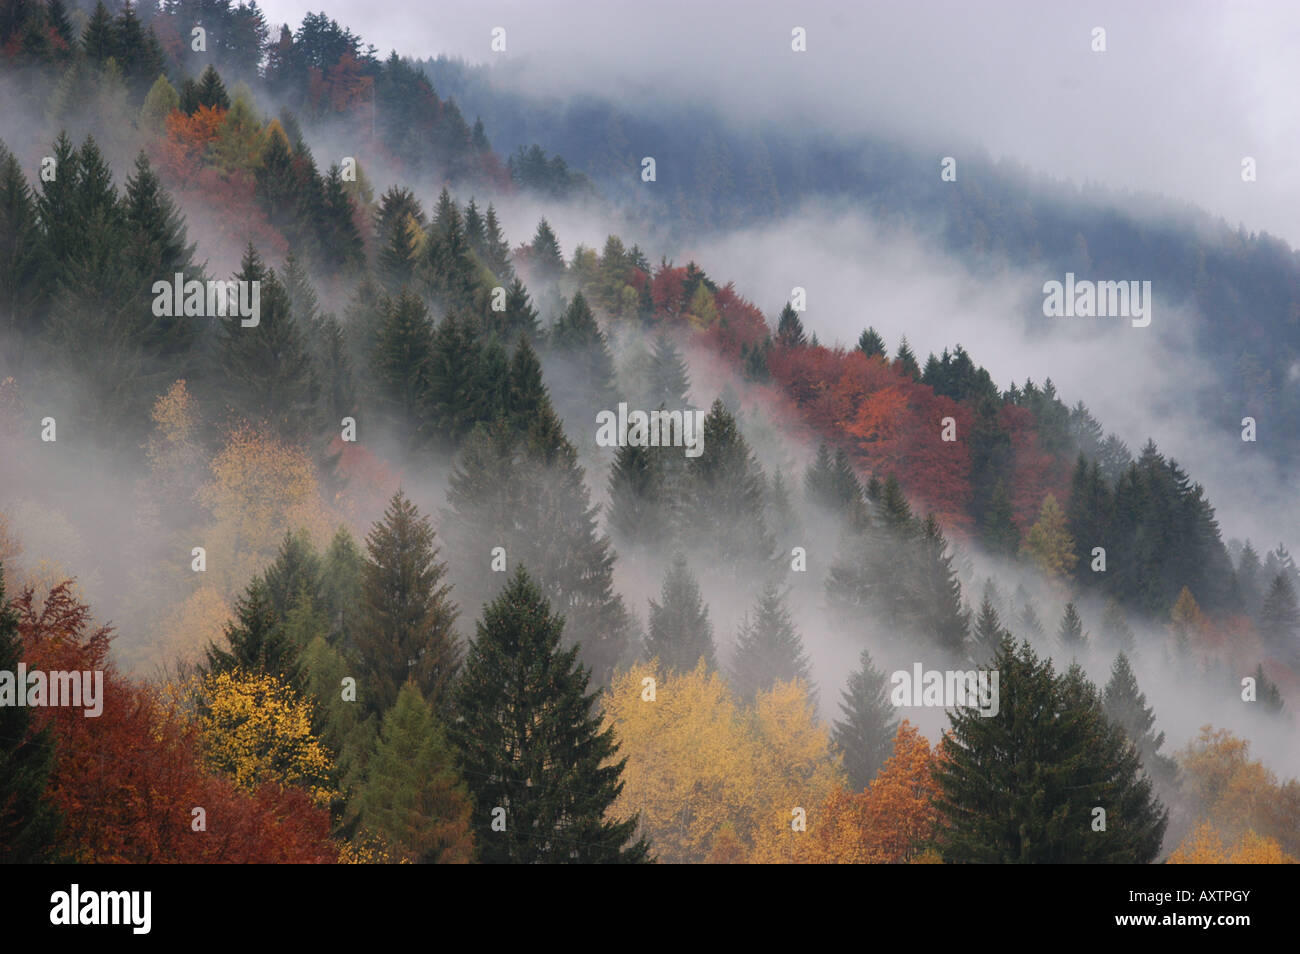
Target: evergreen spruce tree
[[905, 360], [475, 230], [635, 495], [586, 381], [1279, 619], [935, 602], [871, 344], [529, 497], [1115, 628], [1250, 580], [29, 822], [526, 399], [668, 382], [769, 648], [1001, 535], [680, 632], [546, 260], [497, 249], [722, 500], [542, 772], [407, 628], [97, 40], [401, 361], [1020, 786], [413, 797], [212, 92], [295, 573], [1127, 707], [1266, 692], [256, 640], [789, 329], [988, 632], [340, 587], [342, 249], [519, 318], [1070, 634], [864, 734], [24, 263], [448, 268]]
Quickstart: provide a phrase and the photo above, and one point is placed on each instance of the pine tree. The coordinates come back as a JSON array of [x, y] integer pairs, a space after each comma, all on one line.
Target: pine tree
[[1279, 618], [680, 632], [1020, 786], [988, 633], [256, 640], [723, 499], [1001, 535], [546, 260], [401, 361], [406, 631], [519, 320], [295, 573], [935, 604], [496, 248], [266, 370], [871, 344], [588, 381], [1070, 634], [905, 360], [97, 40], [475, 230], [340, 588], [831, 483], [343, 251], [864, 735], [529, 497], [769, 648], [1127, 707], [541, 771], [29, 822], [23, 260], [789, 329], [668, 382], [212, 92], [1267, 692], [1250, 580], [448, 268], [526, 398], [1115, 628], [413, 796], [635, 497], [274, 178]]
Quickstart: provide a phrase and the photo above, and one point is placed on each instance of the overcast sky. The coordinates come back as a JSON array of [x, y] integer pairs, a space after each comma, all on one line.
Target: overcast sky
[[1183, 92]]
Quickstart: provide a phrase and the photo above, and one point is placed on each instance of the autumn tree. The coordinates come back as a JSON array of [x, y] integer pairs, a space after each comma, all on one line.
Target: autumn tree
[[29, 821], [1048, 541], [413, 796]]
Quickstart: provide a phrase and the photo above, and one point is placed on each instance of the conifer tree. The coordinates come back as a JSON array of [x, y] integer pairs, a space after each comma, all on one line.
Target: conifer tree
[[1020, 786], [295, 573], [988, 632], [668, 382], [680, 632], [23, 260], [769, 648], [544, 776], [211, 91], [587, 380], [159, 103], [864, 734], [546, 260], [97, 40], [413, 797], [1048, 542], [936, 608], [1070, 634], [496, 248], [723, 500], [1001, 535], [526, 399], [871, 344], [402, 356], [636, 517], [1127, 707], [529, 497], [448, 268], [274, 179], [407, 628], [519, 318], [29, 822], [789, 329], [342, 249], [1279, 618], [340, 588], [905, 360], [475, 231], [256, 640]]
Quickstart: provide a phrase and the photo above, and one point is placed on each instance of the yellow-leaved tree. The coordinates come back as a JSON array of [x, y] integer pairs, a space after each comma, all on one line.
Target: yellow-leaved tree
[[256, 730], [711, 779], [1207, 846]]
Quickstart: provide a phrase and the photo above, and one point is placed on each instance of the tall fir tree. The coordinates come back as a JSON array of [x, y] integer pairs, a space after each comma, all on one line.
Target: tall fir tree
[[789, 329], [407, 629], [769, 649], [256, 640], [1127, 707], [864, 733], [542, 771], [1021, 786], [680, 632]]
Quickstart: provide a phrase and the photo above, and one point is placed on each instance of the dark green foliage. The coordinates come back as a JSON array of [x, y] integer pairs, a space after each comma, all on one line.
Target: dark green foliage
[[680, 632], [789, 329], [530, 741], [1020, 786], [1279, 619], [871, 344], [1127, 707], [256, 640], [406, 628], [864, 733]]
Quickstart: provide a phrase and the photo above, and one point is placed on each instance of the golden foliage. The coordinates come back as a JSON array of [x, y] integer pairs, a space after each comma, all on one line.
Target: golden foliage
[[1206, 846], [256, 730]]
